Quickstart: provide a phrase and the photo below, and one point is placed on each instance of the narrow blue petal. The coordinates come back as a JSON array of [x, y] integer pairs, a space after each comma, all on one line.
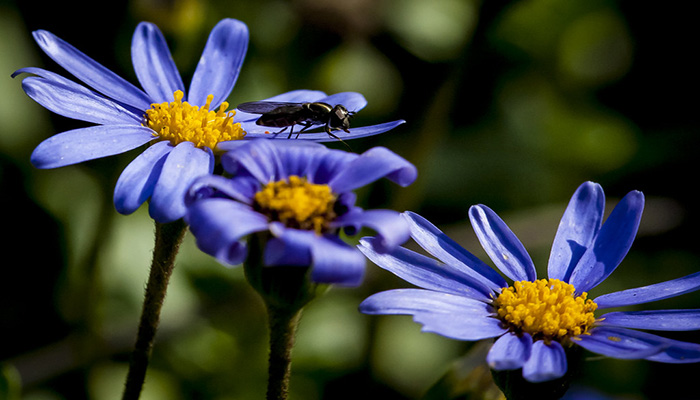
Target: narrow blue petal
[[425, 272], [91, 72], [153, 64], [630, 344], [318, 135], [78, 145], [298, 96], [420, 301], [289, 247], [391, 228], [137, 113], [332, 261], [335, 262], [259, 158], [435, 242], [135, 184], [647, 294], [220, 225], [621, 343], [353, 101], [446, 314], [460, 326], [509, 352], [311, 160], [546, 362], [184, 164], [321, 166], [240, 188], [72, 100], [610, 245], [46, 74], [270, 161], [659, 320], [678, 353], [501, 244], [220, 64], [577, 229], [373, 164]]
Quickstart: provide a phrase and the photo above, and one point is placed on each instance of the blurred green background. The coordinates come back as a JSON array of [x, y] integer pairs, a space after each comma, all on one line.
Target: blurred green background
[[512, 104]]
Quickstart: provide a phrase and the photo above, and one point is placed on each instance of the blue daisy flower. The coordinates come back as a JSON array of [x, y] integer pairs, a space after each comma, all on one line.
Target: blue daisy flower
[[352, 101], [300, 195], [182, 126], [533, 321]]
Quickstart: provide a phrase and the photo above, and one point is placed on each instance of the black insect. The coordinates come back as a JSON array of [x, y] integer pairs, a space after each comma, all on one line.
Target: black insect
[[285, 115]]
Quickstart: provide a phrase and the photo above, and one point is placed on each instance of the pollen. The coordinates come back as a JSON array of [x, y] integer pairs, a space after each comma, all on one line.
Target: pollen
[[547, 309], [179, 121], [297, 204]]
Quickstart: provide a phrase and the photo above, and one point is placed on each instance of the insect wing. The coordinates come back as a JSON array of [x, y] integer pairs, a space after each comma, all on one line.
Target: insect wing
[[263, 107]]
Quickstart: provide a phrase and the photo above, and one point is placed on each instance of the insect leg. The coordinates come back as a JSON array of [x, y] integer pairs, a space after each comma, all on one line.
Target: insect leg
[[306, 126]]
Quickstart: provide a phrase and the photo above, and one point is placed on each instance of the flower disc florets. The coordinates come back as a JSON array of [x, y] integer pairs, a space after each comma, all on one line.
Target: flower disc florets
[[547, 309], [297, 203], [180, 121]]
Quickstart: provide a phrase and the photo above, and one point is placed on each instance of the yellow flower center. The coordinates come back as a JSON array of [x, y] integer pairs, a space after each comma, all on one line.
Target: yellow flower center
[[547, 309], [297, 203], [180, 121]]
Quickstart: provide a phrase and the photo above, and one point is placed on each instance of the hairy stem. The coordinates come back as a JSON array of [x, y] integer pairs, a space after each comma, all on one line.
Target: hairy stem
[[167, 243], [283, 324]]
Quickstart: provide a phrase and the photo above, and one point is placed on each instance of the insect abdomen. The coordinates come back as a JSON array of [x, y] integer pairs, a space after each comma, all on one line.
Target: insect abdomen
[[276, 121]]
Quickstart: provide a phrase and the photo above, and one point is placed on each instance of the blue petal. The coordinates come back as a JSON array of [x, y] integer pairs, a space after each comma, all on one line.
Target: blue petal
[[546, 362], [240, 188], [391, 228], [321, 166], [153, 64], [660, 320], [424, 271], [332, 261], [298, 96], [621, 343], [446, 314], [261, 132], [257, 158], [78, 145], [373, 164], [48, 75], [509, 352], [71, 100], [647, 294], [678, 353], [289, 247], [502, 246], [184, 164], [577, 229], [219, 226], [313, 161], [220, 64], [89, 71], [335, 262], [435, 242], [135, 184], [353, 101], [271, 161], [610, 245]]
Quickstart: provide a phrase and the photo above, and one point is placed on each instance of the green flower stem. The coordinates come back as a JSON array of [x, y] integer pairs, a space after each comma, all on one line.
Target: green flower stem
[[285, 291], [283, 325], [167, 243]]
